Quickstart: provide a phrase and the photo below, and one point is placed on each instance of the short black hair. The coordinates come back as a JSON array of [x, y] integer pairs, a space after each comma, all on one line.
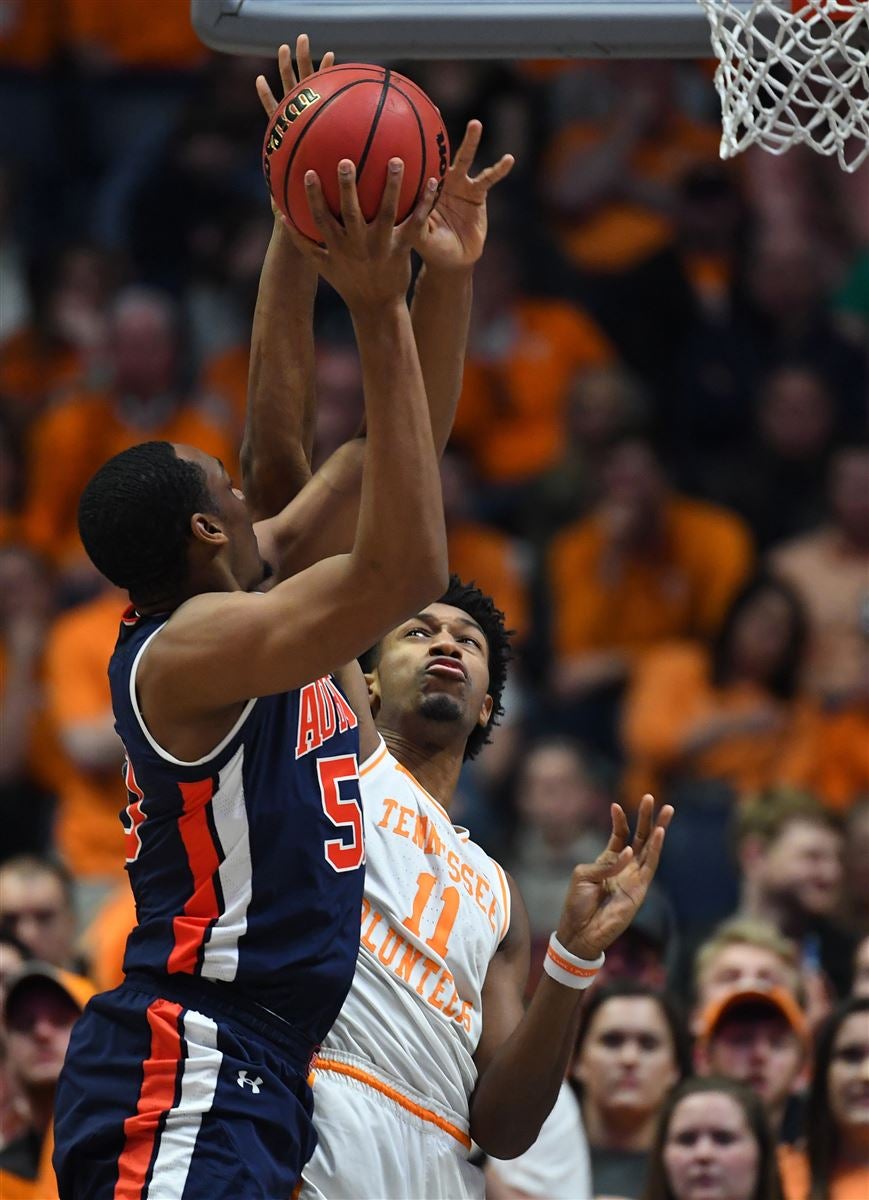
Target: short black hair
[[482, 609], [134, 519]]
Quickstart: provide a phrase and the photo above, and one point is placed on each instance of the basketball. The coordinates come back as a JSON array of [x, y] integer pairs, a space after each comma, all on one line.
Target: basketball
[[365, 113]]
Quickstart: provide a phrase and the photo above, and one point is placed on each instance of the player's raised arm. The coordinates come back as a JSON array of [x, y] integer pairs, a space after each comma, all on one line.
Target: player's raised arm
[[225, 645], [322, 518], [279, 426], [522, 1056]]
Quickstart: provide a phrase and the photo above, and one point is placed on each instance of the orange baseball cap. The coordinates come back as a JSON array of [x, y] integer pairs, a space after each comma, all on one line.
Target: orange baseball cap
[[778, 999], [77, 987]]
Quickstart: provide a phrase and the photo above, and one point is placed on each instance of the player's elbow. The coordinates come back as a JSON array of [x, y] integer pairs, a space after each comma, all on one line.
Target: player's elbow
[[500, 1138]]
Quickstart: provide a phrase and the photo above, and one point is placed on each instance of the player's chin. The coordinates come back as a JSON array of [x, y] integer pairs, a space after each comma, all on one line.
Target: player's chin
[[439, 705]]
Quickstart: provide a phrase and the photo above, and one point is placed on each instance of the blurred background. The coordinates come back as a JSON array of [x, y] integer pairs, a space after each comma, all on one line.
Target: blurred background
[[660, 465]]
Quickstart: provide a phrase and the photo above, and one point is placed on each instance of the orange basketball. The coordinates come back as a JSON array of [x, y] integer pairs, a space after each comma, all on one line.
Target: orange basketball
[[365, 113]]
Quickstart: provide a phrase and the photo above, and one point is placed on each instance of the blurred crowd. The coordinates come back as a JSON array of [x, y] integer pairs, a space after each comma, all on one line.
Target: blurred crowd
[[660, 470]]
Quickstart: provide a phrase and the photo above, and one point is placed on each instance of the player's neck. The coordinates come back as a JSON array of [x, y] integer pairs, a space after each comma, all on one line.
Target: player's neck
[[436, 768]]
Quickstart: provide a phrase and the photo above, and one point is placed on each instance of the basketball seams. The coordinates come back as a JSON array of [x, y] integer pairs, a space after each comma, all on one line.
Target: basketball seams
[[423, 147], [375, 121], [322, 108]]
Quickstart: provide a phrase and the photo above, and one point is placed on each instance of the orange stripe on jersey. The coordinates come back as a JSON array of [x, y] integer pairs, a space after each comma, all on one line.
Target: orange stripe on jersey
[[505, 896], [425, 1114], [297, 1190], [430, 797], [156, 1097], [201, 909], [371, 763]]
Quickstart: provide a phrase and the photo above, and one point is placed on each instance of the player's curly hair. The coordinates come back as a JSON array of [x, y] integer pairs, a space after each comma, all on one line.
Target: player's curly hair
[[482, 608], [134, 519]]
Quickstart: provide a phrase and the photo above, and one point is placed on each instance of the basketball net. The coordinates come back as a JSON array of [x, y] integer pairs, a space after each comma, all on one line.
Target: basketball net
[[793, 72]]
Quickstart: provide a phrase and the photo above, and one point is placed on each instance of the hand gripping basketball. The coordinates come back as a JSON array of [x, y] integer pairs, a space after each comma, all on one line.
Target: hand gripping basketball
[[365, 114]]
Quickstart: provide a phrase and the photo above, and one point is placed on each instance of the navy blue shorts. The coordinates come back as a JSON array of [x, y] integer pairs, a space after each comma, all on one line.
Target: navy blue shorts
[[158, 1101]]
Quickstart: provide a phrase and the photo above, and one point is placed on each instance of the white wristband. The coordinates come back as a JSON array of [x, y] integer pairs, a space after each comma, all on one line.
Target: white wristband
[[566, 968]]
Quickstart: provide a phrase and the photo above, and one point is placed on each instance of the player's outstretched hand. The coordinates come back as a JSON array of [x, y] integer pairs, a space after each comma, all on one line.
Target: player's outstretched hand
[[604, 895], [290, 76], [367, 263], [455, 232]]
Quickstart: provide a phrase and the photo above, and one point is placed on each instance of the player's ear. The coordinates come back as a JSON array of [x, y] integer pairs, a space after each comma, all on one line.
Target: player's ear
[[208, 530], [372, 682], [486, 711]]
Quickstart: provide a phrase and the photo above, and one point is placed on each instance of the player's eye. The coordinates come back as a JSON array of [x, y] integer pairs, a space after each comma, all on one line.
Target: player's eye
[[417, 629], [473, 641]]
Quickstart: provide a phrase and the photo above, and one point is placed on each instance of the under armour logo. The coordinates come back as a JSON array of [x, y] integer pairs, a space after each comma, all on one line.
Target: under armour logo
[[253, 1084]]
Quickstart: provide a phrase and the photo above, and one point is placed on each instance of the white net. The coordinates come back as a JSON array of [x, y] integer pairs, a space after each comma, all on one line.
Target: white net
[[793, 73]]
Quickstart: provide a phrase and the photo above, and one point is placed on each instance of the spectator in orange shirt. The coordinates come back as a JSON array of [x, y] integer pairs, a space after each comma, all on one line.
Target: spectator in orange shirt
[[604, 403], [62, 343], [646, 565], [145, 399], [611, 183], [732, 712], [830, 570], [836, 1163], [29, 757], [480, 552], [104, 942], [88, 831], [522, 355]]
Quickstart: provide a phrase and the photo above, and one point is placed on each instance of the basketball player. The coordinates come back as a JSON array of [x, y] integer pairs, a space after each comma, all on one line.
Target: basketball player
[[431, 1048], [243, 827]]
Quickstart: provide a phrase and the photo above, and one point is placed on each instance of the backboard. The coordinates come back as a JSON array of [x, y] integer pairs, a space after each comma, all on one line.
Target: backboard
[[389, 29]]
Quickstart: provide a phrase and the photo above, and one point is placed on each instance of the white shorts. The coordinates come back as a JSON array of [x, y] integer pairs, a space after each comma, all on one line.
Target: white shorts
[[380, 1140]]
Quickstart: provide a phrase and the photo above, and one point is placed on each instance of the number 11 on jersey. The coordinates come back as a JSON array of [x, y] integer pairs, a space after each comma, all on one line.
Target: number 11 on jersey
[[449, 910]]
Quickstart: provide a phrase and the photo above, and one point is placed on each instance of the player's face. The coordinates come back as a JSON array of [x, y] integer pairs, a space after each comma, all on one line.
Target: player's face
[[435, 665], [242, 549]]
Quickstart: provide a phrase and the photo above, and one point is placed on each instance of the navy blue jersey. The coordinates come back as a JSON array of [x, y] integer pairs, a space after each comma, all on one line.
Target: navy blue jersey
[[247, 865]]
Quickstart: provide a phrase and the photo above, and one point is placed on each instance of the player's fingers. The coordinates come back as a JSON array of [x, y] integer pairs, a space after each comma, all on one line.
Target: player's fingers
[[652, 855], [266, 96], [412, 230], [328, 60], [304, 66], [645, 820], [604, 867], [323, 219], [620, 832], [469, 145], [285, 66], [351, 213], [385, 219], [494, 174]]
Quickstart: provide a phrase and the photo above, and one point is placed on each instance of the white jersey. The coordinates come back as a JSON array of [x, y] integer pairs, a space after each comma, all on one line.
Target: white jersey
[[436, 907]]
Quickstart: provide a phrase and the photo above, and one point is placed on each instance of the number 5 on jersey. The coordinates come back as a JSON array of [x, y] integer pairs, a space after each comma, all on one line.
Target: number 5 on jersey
[[344, 810]]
